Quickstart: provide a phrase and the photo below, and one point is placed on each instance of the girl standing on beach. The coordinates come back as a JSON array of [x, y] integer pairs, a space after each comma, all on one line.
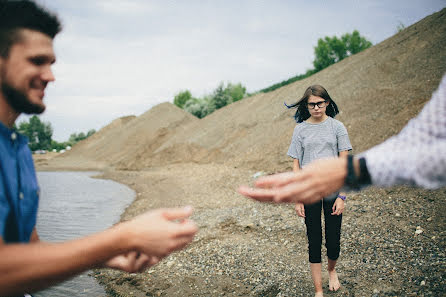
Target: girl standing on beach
[[319, 135]]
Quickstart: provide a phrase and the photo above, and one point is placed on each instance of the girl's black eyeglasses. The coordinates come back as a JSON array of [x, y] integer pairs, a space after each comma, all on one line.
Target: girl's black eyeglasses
[[320, 104]]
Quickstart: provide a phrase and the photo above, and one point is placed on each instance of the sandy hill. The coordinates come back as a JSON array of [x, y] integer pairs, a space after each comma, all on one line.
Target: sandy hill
[[377, 91], [124, 138]]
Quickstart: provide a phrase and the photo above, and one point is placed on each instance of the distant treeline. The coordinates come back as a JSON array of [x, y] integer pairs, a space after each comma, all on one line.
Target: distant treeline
[[220, 97], [329, 50], [40, 135], [288, 81]]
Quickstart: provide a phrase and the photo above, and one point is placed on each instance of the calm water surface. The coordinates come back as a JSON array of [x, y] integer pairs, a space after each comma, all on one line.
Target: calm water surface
[[72, 204]]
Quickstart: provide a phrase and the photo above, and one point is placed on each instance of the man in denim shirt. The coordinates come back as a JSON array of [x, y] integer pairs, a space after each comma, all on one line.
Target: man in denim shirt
[[26, 264]]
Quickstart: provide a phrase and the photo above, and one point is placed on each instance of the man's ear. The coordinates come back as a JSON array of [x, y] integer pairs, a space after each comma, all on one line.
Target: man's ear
[[2, 62]]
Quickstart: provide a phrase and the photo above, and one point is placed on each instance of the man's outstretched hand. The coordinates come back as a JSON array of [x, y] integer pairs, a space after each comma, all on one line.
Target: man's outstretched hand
[[311, 184]]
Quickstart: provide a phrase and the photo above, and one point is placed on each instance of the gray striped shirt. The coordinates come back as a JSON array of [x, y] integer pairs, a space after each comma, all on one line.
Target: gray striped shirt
[[316, 141]]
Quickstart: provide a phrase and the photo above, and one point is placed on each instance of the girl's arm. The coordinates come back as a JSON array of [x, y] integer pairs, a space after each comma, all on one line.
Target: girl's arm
[[339, 205], [341, 155], [296, 167], [300, 209]]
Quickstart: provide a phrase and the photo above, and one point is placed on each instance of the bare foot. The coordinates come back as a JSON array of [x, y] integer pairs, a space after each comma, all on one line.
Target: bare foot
[[319, 294], [333, 282]]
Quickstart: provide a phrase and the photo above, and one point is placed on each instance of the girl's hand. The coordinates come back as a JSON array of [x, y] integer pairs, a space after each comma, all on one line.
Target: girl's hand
[[338, 207], [300, 209]]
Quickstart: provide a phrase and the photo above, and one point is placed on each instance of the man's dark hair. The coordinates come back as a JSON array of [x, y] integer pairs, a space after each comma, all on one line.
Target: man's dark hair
[[302, 112], [24, 14]]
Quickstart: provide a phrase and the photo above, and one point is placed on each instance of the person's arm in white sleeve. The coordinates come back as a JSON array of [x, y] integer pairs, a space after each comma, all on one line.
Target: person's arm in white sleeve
[[417, 155]]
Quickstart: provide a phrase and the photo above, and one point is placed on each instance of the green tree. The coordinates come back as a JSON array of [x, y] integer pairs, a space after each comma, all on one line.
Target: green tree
[[39, 133], [181, 98], [59, 145], [355, 43], [224, 95], [76, 137], [221, 96], [208, 105], [330, 50], [200, 107], [288, 81], [400, 27], [91, 132], [237, 91]]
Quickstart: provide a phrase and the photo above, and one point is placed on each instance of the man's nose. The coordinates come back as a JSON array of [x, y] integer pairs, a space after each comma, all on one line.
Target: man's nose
[[47, 75]]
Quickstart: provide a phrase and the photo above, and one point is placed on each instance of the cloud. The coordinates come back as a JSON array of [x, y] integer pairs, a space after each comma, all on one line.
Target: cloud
[[128, 7]]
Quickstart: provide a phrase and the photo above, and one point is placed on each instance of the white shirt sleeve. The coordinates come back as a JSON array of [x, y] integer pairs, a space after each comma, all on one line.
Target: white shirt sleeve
[[417, 155]]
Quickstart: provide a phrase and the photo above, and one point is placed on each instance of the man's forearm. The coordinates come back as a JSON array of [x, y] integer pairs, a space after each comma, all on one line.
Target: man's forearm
[[31, 267]]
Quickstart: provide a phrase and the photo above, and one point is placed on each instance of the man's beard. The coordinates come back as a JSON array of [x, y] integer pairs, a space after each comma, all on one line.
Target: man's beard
[[19, 101]]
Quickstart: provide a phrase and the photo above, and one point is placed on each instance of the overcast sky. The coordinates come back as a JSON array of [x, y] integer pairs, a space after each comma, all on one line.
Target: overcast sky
[[121, 57]]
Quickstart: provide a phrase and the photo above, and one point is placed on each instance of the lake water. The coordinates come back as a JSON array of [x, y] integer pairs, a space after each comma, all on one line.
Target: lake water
[[72, 205]]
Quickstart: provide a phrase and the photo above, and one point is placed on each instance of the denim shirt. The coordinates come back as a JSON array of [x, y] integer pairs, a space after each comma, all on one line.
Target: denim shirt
[[19, 191]]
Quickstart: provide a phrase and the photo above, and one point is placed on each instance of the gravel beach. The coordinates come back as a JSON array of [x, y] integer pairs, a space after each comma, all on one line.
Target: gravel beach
[[392, 244]]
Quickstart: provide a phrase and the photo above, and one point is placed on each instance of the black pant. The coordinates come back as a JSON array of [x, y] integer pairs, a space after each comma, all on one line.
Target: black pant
[[314, 230]]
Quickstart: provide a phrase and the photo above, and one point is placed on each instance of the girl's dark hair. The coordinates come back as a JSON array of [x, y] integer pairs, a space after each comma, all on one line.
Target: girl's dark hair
[[302, 112], [24, 14]]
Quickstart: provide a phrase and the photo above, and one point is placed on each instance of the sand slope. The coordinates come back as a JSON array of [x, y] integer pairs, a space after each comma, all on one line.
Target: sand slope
[[122, 142]]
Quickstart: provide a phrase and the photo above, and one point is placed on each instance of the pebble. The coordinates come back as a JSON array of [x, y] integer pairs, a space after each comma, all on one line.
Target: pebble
[[258, 174]]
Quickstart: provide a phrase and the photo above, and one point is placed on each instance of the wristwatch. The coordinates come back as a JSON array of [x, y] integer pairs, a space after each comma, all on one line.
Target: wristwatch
[[352, 180]]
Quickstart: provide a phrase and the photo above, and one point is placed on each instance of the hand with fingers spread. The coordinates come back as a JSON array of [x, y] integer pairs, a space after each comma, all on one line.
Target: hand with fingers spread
[[132, 262], [160, 232], [314, 182]]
